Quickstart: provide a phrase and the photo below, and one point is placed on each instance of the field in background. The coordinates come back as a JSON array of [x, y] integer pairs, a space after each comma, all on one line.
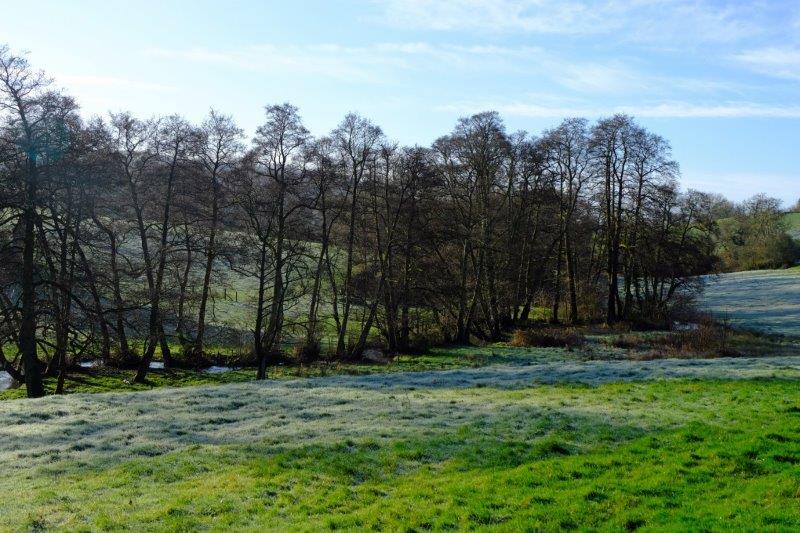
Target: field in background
[[765, 300]]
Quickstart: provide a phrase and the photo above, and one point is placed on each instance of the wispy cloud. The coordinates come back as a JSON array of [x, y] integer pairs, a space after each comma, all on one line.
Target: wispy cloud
[[576, 85], [781, 62], [329, 60], [376, 63], [597, 77], [371, 63], [87, 80], [495, 15], [658, 110], [669, 22], [383, 63]]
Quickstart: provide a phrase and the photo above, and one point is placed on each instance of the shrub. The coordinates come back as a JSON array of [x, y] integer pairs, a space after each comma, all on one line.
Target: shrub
[[703, 338]]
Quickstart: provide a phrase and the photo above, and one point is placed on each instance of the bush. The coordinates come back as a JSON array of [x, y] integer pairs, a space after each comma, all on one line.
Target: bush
[[548, 338]]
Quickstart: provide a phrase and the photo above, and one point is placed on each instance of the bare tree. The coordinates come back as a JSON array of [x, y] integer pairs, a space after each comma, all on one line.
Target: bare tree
[[356, 140], [568, 161], [219, 149], [279, 144], [24, 102]]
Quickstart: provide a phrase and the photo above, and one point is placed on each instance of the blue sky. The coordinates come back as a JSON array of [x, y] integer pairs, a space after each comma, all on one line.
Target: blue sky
[[720, 80]]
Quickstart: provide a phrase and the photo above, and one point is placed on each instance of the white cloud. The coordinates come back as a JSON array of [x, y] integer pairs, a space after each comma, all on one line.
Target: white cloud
[[597, 77], [774, 61], [384, 62], [495, 15], [343, 63], [401, 63], [111, 82], [660, 110], [664, 22], [725, 110], [373, 63]]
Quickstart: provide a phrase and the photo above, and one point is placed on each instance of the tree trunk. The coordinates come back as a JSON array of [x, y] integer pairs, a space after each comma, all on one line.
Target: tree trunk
[[27, 332], [105, 336], [210, 254], [273, 335], [183, 282], [554, 319], [156, 326], [573, 293], [311, 327], [341, 348], [258, 337]]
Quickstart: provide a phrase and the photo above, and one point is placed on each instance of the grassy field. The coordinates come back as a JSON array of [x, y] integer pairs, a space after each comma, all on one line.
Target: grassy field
[[603, 436], [767, 300], [545, 444]]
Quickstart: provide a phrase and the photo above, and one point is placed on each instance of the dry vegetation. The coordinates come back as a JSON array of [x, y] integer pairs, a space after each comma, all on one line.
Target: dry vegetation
[[548, 337], [702, 338]]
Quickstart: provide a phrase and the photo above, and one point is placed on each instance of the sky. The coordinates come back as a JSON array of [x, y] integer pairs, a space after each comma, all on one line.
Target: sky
[[719, 80]]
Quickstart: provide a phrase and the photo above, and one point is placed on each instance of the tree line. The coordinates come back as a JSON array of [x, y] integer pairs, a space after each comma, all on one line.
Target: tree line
[[117, 233], [752, 234]]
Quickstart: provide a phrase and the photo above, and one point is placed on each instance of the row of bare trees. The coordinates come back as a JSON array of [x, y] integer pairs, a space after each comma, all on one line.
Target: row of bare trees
[[118, 234]]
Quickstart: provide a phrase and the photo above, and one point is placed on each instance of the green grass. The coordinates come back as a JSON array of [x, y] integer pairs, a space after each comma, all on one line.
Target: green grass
[[676, 455]]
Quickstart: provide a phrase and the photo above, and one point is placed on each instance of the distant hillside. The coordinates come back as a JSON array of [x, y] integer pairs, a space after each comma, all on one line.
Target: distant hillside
[[745, 243], [792, 220]]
